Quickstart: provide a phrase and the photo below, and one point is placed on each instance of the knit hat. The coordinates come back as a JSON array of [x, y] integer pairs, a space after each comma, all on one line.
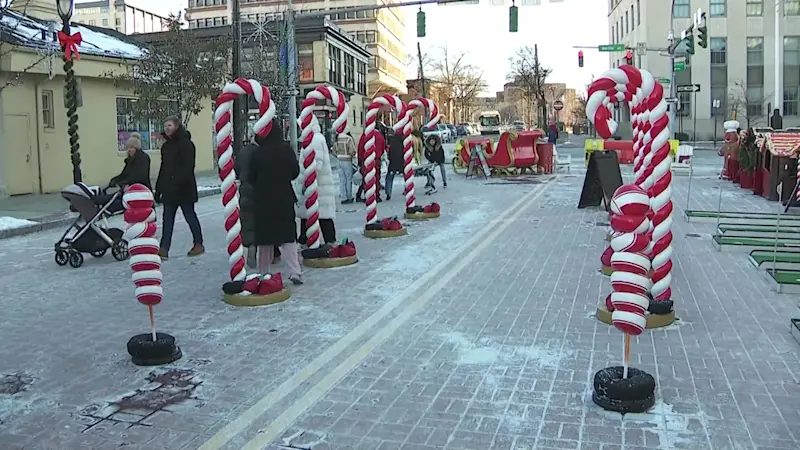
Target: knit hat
[[135, 141]]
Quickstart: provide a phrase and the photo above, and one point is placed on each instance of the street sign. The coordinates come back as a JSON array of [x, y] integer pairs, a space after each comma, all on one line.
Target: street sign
[[558, 105], [679, 66], [672, 100], [612, 48], [680, 59], [688, 88], [641, 48], [664, 81]]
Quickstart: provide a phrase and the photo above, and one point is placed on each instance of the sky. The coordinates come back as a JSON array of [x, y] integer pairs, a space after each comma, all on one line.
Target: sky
[[481, 31]]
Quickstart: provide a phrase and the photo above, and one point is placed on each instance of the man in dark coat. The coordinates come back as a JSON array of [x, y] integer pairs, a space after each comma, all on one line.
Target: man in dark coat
[[434, 152], [395, 162], [244, 160], [137, 165], [273, 168], [176, 186]]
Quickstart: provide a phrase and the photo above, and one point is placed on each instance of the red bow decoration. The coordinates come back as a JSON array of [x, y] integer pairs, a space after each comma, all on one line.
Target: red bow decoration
[[70, 45]]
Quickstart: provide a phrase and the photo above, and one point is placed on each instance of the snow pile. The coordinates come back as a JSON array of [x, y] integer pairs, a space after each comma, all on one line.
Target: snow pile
[[10, 223], [35, 33]]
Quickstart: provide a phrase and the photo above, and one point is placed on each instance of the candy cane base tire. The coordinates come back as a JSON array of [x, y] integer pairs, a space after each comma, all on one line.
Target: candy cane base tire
[[256, 300], [634, 394], [421, 215], [653, 320], [327, 263], [382, 234], [145, 352], [606, 270]]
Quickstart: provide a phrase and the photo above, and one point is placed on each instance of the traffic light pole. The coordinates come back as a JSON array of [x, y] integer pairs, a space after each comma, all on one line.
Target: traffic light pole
[[671, 51]]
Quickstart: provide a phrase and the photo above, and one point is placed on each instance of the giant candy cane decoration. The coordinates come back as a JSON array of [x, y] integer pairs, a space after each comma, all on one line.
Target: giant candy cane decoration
[[391, 101], [408, 142], [309, 128], [223, 119]]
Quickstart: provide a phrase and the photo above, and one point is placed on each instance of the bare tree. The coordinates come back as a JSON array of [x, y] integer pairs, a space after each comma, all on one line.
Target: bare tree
[[457, 82], [509, 113], [263, 59], [529, 78], [45, 49], [749, 109]]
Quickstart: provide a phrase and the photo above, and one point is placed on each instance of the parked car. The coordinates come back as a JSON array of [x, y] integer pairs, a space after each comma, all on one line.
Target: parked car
[[453, 131], [467, 127], [462, 130], [441, 130], [519, 125]]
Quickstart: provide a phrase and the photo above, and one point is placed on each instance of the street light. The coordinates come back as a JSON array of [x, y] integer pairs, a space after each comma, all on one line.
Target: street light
[[69, 45]]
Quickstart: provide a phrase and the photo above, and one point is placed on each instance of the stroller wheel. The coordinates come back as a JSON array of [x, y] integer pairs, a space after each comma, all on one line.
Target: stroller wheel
[[99, 253], [75, 259], [120, 250], [62, 257]]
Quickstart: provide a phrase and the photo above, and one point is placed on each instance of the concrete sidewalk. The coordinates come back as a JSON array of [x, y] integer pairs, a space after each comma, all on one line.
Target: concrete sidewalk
[[35, 213]]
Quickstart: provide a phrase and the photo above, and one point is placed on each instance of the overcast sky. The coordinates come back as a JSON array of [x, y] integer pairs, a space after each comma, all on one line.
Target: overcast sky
[[482, 32]]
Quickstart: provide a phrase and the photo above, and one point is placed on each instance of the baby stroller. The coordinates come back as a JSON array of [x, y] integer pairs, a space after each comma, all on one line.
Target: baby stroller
[[93, 205]]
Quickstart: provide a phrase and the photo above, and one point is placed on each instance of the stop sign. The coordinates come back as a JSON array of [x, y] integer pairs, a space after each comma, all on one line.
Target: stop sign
[[558, 105]]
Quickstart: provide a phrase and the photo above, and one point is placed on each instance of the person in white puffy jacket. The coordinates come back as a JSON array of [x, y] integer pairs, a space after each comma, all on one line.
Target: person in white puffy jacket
[[325, 190]]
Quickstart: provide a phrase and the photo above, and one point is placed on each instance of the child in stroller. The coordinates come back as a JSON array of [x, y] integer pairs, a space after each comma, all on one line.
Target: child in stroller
[[94, 205]]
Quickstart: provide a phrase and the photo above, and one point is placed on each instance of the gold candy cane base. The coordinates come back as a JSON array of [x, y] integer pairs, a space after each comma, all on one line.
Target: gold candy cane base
[[256, 300], [327, 263], [421, 215], [381, 234]]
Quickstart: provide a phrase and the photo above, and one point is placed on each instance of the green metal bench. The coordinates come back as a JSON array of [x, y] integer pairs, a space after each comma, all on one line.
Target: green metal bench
[[757, 228], [755, 241], [702, 214], [758, 257], [785, 278]]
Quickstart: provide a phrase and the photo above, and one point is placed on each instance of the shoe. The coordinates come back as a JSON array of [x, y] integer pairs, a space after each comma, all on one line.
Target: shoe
[[347, 202], [296, 279], [445, 185], [276, 260], [388, 197], [361, 200], [380, 200], [197, 250], [163, 254]]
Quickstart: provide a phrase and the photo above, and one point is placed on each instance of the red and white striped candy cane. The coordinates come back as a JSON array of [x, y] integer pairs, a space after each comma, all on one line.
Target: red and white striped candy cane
[[384, 101], [309, 127], [223, 119], [142, 244], [642, 113], [658, 164], [614, 86], [408, 142]]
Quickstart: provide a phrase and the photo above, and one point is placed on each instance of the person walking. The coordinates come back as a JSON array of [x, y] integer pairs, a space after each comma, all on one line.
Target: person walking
[[380, 144], [137, 165], [273, 169], [176, 186], [395, 162], [434, 153], [325, 194], [243, 166], [345, 152], [552, 134]]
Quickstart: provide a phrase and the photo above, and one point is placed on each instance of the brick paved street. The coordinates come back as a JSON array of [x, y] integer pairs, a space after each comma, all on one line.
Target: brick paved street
[[474, 332]]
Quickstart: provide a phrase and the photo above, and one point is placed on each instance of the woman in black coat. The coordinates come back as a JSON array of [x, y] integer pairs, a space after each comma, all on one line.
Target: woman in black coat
[[434, 152], [395, 144], [137, 165], [273, 168], [243, 166], [176, 186]]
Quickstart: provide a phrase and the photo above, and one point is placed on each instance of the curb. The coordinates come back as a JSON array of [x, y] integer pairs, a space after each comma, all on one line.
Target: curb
[[66, 220]]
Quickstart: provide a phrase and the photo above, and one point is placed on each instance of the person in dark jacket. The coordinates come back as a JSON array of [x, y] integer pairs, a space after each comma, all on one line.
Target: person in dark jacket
[[243, 164], [176, 186], [434, 153], [273, 168], [137, 165], [395, 162], [552, 133]]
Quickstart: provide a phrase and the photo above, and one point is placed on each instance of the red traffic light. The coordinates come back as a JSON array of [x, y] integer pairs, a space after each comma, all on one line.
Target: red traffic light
[[580, 58], [580, 53], [629, 55]]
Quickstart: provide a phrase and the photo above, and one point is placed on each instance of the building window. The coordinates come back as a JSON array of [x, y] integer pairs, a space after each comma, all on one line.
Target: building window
[[719, 74], [349, 71], [48, 114], [105, 22], [217, 21], [755, 8], [791, 7], [755, 77], [334, 65], [305, 63], [92, 22], [127, 124], [791, 75], [633, 25], [638, 13], [613, 35], [717, 8], [684, 98], [681, 9], [361, 78], [117, 21], [626, 23], [373, 62]]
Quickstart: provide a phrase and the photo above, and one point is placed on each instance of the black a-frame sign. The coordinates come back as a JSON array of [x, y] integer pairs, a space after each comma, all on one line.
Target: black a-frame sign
[[603, 178]]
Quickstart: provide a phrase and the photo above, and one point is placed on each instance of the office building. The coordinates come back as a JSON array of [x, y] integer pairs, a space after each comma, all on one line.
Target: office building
[[119, 15], [382, 31], [738, 68]]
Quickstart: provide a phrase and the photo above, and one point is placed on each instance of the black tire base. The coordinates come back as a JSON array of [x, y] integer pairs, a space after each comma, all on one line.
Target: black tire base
[[145, 352], [635, 394]]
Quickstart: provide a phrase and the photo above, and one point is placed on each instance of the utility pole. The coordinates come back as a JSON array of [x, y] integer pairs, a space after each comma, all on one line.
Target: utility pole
[[421, 71], [292, 75], [236, 61], [671, 51], [778, 58]]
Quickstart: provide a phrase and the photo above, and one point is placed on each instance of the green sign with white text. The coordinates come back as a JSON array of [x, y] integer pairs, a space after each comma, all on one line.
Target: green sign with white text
[[679, 66], [612, 48]]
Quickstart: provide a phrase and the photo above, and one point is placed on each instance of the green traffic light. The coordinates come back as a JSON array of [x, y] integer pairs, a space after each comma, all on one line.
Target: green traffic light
[[690, 44], [512, 19], [420, 24], [703, 36]]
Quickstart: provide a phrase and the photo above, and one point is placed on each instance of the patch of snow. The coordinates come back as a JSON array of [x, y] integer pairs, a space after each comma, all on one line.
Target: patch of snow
[[487, 352], [11, 223]]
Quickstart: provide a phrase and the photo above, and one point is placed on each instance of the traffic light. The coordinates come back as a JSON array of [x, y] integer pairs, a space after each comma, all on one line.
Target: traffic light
[[420, 23], [629, 58], [702, 36], [512, 19], [580, 58], [688, 37]]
